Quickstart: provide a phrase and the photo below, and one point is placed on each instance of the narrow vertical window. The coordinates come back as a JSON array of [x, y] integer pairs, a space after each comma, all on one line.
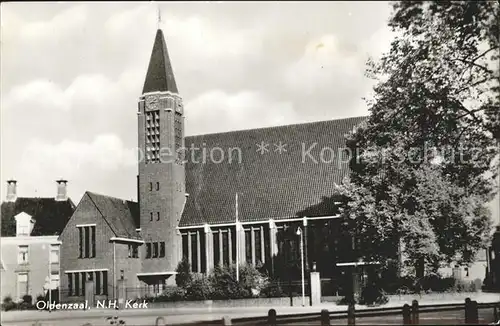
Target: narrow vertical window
[[155, 250], [105, 282], [87, 242], [248, 246], [148, 250], [225, 248], [54, 254], [185, 239], [77, 284], [162, 249], [70, 284], [157, 186], [157, 216], [217, 256], [151, 216], [93, 241], [98, 283], [80, 237], [258, 247], [194, 253], [150, 186]]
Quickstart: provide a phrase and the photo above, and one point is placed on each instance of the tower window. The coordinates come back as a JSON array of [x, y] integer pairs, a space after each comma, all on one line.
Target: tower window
[[152, 143], [151, 216], [157, 216], [150, 186], [157, 186]]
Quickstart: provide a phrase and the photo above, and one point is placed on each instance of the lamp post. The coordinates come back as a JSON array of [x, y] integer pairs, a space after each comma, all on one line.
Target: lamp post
[[50, 279], [299, 233]]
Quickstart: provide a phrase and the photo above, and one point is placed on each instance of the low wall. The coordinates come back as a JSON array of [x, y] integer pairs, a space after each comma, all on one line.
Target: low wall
[[253, 302], [432, 297]]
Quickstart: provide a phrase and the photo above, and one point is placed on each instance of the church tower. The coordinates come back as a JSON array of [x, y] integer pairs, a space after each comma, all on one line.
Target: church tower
[[161, 180]]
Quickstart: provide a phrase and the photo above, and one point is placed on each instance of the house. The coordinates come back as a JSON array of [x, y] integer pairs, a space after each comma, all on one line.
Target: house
[[29, 244]]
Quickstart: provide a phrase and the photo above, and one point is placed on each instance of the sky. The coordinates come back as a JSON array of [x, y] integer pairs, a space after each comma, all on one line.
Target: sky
[[72, 74]]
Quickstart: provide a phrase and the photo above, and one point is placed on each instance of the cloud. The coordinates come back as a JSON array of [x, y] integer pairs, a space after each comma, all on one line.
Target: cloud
[[61, 26], [190, 34], [218, 111], [72, 159], [323, 64]]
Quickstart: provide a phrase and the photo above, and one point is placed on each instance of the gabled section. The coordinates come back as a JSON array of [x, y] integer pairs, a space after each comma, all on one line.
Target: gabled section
[[160, 75], [122, 216]]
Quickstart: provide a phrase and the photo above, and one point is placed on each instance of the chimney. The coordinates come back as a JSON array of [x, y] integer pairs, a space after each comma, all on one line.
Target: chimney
[[61, 190], [11, 190]]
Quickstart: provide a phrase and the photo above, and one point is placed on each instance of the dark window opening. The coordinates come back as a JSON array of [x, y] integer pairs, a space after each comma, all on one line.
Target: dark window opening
[[162, 249]]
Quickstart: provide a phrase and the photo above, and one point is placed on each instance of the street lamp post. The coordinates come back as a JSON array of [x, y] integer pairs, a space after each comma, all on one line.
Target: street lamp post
[[299, 233]]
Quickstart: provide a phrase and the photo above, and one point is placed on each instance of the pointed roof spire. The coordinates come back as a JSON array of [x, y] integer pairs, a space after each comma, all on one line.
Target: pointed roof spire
[[160, 76]]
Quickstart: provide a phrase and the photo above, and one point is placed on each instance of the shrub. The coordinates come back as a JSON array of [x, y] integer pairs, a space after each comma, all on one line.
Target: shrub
[[8, 304], [252, 280], [200, 288], [225, 286], [272, 290], [184, 275], [373, 295], [27, 299], [172, 293]]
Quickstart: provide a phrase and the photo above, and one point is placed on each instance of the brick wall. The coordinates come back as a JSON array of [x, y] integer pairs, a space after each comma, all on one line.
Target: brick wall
[[86, 213]]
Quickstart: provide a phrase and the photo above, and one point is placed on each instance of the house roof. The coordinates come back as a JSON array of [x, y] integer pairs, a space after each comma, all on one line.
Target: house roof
[[50, 216], [269, 185], [160, 75], [121, 215]]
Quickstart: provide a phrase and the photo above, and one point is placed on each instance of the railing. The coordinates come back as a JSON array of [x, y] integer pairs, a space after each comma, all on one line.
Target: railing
[[410, 315]]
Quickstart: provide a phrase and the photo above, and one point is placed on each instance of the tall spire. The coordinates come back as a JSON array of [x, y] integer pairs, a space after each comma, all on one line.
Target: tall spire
[[160, 76]]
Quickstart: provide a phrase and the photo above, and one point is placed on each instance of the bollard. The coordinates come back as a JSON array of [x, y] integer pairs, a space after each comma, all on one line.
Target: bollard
[[351, 314], [325, 317], [406, 314], [474, 313], [226, 321], [271, 317], [160, 321], [414, 312], [467, 311]]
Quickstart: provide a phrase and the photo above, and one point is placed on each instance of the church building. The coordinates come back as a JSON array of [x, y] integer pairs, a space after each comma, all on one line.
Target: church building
[[214, 199]]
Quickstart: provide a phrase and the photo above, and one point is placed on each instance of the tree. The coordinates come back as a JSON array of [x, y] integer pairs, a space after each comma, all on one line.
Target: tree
[[423, 165], [183, 277]]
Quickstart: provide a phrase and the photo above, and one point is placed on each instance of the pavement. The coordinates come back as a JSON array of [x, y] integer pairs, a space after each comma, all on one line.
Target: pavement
[[97, 317]]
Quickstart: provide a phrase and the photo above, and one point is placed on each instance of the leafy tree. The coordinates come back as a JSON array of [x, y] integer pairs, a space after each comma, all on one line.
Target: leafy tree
[[423, 165], [183, 277]]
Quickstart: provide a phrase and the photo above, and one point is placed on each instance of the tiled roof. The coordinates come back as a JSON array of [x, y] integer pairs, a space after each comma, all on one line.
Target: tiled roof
[[50, 216], [269, 185], [121, 215], [160, 75]]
